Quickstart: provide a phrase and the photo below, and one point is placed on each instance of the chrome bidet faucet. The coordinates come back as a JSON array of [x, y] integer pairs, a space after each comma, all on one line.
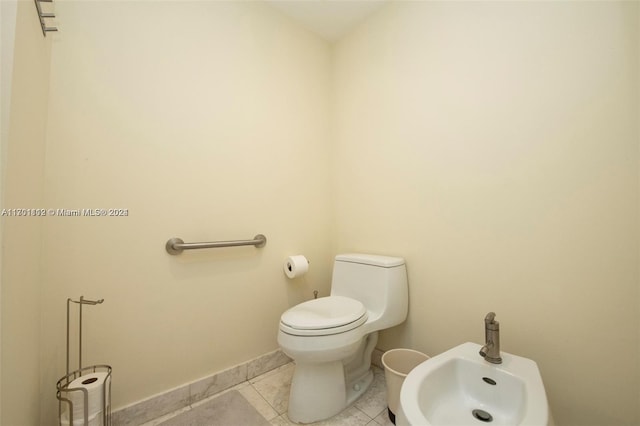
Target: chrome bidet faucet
[[491, 349]]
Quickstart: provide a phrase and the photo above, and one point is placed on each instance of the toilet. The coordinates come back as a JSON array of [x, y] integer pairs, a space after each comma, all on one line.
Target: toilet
[[331, 339]]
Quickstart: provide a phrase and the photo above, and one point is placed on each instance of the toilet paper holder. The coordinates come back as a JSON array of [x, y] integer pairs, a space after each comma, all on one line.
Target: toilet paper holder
[[71, 392]]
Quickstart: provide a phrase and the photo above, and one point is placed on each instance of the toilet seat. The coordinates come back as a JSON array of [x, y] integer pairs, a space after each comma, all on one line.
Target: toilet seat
[[323, 317]]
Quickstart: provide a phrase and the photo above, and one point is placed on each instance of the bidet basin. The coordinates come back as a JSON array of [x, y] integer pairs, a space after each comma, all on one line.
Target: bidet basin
[[458, 387]]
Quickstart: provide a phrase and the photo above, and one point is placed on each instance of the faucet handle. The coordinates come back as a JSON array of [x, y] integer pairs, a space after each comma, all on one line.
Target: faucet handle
[[490, 318], [490, 323]]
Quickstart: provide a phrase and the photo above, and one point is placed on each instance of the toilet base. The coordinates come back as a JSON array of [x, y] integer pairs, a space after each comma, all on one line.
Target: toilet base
[[317, 392], [322, 390], [358, 387], [327, 394]]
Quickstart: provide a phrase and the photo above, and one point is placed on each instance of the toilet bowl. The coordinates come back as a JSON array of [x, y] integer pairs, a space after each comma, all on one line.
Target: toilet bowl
[[331, 338]]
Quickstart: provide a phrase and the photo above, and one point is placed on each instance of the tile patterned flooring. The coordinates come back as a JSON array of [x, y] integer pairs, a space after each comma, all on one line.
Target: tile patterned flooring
[[269, 395]]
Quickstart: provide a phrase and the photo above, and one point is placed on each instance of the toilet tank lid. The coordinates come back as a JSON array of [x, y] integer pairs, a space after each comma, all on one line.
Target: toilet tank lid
[[370, 259]]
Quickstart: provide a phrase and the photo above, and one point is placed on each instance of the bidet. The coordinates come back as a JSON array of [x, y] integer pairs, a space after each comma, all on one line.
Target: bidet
[[458, 388]]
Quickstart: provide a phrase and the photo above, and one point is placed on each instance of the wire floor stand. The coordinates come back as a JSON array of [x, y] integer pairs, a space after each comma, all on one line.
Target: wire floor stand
[[70, 393]]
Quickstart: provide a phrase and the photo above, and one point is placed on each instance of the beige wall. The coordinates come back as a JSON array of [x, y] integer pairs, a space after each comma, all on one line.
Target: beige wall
[[638, 139], [207, 121], [22, 236], [495, 146]]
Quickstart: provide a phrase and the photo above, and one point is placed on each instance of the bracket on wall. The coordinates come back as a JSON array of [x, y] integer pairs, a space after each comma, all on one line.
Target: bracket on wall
[[43, 15]]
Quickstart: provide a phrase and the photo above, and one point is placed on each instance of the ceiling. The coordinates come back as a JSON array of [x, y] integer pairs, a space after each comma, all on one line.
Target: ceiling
[[330, 19]]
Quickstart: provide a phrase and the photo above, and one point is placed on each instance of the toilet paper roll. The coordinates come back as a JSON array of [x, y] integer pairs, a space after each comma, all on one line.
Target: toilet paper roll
[[96, 420], [94, 383], [296, 266]]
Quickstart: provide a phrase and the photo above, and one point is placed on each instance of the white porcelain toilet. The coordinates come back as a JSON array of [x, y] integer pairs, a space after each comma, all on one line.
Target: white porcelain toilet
[[331, 338]]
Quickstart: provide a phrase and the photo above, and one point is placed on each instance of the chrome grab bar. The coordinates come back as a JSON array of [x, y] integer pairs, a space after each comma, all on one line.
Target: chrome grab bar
[[176, 245]]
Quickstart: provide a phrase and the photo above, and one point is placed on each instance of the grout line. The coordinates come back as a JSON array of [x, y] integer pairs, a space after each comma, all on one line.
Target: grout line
[[265, 401]]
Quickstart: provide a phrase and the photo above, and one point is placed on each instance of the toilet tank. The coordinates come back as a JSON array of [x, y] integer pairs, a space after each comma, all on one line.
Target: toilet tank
[[379, 282]]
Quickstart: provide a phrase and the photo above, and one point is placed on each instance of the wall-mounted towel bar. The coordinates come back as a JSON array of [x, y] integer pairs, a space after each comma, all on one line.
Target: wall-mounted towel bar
[[42, 15], [176, 245]]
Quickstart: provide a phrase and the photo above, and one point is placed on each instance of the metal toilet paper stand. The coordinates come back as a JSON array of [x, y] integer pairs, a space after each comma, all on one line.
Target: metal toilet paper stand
[[67, 395]]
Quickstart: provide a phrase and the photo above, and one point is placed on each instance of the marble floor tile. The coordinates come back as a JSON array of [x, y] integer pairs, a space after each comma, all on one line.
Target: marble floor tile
[[374, 400], [281, 421], [259, 403], [159, 420], [230, 408], [383, 419], [351, 416], [152, 408], [265, 400], [275, 387]]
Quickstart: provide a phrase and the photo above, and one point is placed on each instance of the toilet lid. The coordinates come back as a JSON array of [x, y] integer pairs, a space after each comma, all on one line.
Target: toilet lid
[[323, 313]]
